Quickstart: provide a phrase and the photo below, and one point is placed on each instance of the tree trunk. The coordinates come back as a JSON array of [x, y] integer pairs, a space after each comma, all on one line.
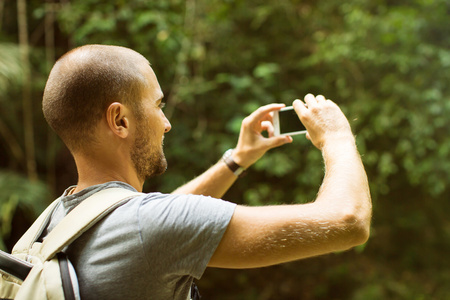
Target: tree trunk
[[26, 92], [50, 57], [2, 5]]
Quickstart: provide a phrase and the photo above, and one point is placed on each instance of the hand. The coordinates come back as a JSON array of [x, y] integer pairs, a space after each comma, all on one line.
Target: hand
[[252, 145], [323, 120]]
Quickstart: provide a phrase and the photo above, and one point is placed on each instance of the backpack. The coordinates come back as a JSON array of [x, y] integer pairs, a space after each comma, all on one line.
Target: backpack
[[35, 270]]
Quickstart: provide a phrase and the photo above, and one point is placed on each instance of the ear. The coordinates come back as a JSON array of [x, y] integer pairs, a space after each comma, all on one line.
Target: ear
[[117, 117]]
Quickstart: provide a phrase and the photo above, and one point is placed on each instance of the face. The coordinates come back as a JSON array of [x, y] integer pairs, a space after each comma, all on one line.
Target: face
[[151, 124]]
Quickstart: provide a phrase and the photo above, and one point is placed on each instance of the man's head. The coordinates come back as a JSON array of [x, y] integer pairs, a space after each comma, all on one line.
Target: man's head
[[96, 83]]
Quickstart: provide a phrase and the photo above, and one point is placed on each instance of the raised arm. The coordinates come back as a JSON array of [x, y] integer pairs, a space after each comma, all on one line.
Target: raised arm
[[338, 219], [251, 146]]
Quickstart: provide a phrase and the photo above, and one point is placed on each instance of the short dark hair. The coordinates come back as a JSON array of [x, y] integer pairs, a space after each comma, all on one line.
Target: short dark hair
[[84, 82]]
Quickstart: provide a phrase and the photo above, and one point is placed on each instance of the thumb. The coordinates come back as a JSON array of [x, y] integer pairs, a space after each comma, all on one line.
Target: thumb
[[278, 141]]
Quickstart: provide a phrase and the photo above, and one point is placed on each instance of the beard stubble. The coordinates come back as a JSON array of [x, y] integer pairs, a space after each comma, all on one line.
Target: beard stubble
[[148, 159]]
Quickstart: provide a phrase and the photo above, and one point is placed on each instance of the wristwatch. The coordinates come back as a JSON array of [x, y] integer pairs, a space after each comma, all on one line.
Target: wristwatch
[[229, 161]]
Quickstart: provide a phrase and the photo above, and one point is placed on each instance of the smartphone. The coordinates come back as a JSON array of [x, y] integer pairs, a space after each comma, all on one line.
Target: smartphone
[[286, 122]]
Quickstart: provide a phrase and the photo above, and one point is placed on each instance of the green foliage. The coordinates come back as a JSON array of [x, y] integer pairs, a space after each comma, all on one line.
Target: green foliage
[[380, 66], [17, 192], [384, 62], [11, 69]]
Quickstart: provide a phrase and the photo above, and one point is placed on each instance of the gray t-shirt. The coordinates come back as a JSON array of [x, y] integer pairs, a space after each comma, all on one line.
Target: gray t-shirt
[[152, 247]]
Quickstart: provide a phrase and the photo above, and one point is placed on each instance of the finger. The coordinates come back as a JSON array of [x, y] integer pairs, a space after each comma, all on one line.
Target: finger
[[263, 113], [299, 106], [278, 141], [321, 99], [270, 117], [330, 102], [268, 126], [310, 100]]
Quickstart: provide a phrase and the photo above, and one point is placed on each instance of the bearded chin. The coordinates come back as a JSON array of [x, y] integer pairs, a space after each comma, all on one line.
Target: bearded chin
[[148, 167], [159, 167], [148, 162]]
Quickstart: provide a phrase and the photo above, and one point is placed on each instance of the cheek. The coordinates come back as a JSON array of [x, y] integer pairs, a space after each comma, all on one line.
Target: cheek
[[153, 132], [152, 127]]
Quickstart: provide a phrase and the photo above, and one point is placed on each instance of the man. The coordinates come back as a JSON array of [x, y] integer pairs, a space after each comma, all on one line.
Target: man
[[106, 105]]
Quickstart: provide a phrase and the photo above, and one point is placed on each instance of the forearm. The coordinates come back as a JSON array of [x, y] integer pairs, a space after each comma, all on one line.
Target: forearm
[[345, 186], [215, 182]]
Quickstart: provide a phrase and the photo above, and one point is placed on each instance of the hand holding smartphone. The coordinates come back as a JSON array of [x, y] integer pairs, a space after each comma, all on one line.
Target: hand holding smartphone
[[286, 122]]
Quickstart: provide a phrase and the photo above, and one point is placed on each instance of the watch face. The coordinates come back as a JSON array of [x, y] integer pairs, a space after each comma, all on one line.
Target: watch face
[[229, 152]]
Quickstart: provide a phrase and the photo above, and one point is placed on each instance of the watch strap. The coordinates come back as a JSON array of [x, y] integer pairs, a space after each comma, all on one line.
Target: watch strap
[[232, 165]]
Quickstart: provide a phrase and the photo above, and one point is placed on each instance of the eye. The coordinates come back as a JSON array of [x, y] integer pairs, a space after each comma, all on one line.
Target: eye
[[162, 105]]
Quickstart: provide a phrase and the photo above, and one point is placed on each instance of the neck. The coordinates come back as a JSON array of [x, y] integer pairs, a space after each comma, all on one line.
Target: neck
[[93, 170]]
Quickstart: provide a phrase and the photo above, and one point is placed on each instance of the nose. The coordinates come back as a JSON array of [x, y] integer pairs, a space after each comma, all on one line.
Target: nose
[[167, 125]]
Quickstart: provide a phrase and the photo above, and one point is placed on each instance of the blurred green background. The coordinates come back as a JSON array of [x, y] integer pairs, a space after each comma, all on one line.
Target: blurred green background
[[386, 63]]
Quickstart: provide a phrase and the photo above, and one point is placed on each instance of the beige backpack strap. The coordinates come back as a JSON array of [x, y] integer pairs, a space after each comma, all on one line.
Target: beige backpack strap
[[82, 217], [36, 229]]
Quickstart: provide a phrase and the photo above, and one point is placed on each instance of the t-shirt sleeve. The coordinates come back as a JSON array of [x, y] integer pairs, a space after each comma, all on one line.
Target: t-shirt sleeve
[[181, 232]]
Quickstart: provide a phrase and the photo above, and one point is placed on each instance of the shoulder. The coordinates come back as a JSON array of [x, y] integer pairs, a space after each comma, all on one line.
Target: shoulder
[[189, 226], [170, 206]]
